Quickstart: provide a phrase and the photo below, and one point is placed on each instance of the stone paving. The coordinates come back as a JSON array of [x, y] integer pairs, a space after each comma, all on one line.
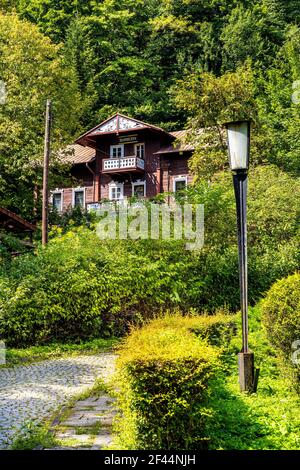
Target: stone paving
[[34, 392], [87, 426]]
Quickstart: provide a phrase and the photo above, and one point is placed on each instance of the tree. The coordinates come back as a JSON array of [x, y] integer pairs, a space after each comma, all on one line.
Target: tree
[[128, 53], [211, 101], [107, 50], [33, 70], [255, 31], [279, 113], [53, 17]]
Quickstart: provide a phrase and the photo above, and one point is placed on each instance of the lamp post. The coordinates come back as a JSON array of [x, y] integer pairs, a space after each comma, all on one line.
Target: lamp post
[[238, 134]]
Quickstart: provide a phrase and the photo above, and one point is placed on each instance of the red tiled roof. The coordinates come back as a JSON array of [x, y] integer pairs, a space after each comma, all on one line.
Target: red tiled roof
[[180, 145], [76, 154]]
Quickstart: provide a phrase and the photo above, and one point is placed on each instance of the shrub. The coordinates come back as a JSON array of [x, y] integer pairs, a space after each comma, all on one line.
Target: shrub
[[281, 314], [80, 287], [72, 217], [9, 244], [273, 235], [164, 371]]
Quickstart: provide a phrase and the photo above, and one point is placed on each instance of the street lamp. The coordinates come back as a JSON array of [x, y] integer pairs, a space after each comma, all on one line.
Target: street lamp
[[238, 134]]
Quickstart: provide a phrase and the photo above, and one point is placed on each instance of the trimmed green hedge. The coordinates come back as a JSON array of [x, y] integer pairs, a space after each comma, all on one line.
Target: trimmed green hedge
[[281, 316], [163, 371]]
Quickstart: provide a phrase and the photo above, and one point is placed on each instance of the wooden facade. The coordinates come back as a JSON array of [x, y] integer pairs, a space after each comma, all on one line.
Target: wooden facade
[[123, 157]]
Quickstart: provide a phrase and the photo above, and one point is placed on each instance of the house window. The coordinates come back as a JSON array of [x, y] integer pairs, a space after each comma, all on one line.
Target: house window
[[79, 197], [139, 189], [57, 201], [140, 150], [116, 191], [180, 184], [116, 151]]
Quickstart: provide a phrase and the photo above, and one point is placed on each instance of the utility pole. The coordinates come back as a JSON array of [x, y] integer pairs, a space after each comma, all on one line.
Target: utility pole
[[45, 208]]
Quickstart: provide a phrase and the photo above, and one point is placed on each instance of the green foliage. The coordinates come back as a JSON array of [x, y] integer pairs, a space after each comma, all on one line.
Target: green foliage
[[128, 54], [53, 17], [255, 31], [273, 236], [248, 91], [33, 436], [163, 373], [81, 287], [72, 217], [279, 116], [55, 350], [266, 420], [210, 102], [8, 244], [33, 70], [281, 315]]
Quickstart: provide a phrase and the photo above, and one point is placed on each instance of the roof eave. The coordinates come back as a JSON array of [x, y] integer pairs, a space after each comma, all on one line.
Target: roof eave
[[84, 141], [165, 152], [30, 227]]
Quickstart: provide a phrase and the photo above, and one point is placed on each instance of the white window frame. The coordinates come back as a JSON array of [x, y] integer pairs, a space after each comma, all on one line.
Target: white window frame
[[179, 179], [139, 183], [135, 149], [119, 146], [77, 190], [115, 185], [61, 192]]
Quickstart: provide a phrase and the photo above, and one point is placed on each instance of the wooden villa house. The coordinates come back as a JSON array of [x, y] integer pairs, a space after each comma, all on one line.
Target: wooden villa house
[[124, 157]]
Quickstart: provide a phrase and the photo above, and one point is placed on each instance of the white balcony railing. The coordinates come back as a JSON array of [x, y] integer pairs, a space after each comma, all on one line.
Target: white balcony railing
[[124, 163]]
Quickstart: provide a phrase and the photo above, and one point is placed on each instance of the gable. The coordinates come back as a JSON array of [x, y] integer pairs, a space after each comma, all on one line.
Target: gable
[[117, 123]]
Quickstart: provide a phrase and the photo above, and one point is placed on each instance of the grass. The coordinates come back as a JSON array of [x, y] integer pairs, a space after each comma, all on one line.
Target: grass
[[34, 436], [266, 420], [16, 356]]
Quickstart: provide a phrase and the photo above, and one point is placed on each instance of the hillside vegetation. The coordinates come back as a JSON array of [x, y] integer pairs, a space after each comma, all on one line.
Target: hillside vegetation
[[172, 63]]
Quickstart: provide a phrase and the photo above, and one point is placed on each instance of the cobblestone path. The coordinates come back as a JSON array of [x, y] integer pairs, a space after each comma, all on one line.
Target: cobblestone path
[[34, 392]]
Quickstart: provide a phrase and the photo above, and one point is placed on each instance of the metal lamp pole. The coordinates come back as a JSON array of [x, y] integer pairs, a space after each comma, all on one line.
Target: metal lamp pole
[[239, 151]]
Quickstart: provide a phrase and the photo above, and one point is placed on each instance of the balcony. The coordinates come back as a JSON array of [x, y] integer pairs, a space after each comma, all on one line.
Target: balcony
[[122, 165]]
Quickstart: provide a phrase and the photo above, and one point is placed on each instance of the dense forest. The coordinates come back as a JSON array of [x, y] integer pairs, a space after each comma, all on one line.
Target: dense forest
[[173, 63]]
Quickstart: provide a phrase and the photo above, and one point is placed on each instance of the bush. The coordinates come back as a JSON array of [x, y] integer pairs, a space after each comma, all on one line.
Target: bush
[[281, 315], [273, 235], [164, 371], [10, 244], [80, 287], [72, 217]]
